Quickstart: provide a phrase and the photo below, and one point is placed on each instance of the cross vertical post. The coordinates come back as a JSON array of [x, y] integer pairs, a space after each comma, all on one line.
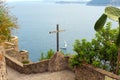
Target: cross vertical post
[[57, 28], [57, 36]]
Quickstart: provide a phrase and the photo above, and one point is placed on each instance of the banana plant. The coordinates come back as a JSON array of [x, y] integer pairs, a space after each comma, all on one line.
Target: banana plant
[[114, 14]]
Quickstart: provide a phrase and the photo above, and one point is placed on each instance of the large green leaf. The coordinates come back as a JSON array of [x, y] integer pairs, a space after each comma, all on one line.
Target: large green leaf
[[100, 22], [112, 12]]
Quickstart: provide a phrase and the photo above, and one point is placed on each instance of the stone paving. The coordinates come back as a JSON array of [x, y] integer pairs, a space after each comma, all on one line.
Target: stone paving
[[61, 75]]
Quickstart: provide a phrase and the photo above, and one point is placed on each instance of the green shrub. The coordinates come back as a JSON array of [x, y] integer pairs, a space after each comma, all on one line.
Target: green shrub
[[74, 61], [49, 54], [8, 22], [101, 51], [25, 62], [96, 63]]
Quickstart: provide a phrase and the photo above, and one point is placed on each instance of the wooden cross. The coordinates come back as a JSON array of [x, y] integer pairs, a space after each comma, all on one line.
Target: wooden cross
[[57, 35]]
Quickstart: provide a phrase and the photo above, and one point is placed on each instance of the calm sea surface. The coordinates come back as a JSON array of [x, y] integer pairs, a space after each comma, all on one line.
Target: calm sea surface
[[36, 19]]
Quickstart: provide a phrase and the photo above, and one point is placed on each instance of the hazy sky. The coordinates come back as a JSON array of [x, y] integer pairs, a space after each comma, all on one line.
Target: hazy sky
[[21, 0], [45, 0]]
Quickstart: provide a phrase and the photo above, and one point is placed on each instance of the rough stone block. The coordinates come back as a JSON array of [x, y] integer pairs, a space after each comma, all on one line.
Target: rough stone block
[[57, 62]]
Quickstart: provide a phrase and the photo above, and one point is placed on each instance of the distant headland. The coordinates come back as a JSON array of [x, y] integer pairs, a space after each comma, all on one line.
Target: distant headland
[[92, 2], [70, 2], [104, 2]]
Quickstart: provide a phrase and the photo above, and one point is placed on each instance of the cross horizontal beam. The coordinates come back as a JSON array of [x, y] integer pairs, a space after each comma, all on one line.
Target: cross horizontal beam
[[56, 31]]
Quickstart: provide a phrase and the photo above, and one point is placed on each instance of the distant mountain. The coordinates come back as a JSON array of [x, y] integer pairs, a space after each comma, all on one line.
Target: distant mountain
[[70, 2], [115, 2], [104, 2], [66, 1]]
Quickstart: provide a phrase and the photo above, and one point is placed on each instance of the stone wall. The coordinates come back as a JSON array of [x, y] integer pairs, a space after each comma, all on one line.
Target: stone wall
[[37, 67], [84, 72], [3, 70], [13, 43], [58, 62], [88, 72], [14, 40], [13, 63], [21, 56]]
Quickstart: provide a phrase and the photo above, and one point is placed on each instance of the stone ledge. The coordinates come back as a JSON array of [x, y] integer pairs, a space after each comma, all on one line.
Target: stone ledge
[[58, 62], [14, 60], [88, 72], [109, 74]]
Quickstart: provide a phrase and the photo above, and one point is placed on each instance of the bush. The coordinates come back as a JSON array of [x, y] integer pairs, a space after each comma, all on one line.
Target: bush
[[25, 62], [8, 22], [101, 51], [49, 54], [75, 61]]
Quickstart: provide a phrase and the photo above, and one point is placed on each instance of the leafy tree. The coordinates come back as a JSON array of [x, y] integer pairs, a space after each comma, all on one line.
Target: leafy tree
[[84, 50], [7, 22], [114, 14], [85, 53], [101, 51], [107, 47]]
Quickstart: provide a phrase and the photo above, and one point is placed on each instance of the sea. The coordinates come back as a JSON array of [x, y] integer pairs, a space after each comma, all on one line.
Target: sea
[[37, 19]]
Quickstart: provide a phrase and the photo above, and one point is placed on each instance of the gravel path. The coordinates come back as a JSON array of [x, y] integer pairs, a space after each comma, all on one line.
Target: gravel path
[[61, 75]]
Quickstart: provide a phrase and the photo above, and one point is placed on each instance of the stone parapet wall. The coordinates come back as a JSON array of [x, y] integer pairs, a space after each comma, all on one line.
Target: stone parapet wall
[[13, 43], [23, 56], [68, 67], [13, 63], [20, 56], [58, 62], [12, 53], [37, 67], [14, 40], [3, 71], [88, 72], [84, 72]]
